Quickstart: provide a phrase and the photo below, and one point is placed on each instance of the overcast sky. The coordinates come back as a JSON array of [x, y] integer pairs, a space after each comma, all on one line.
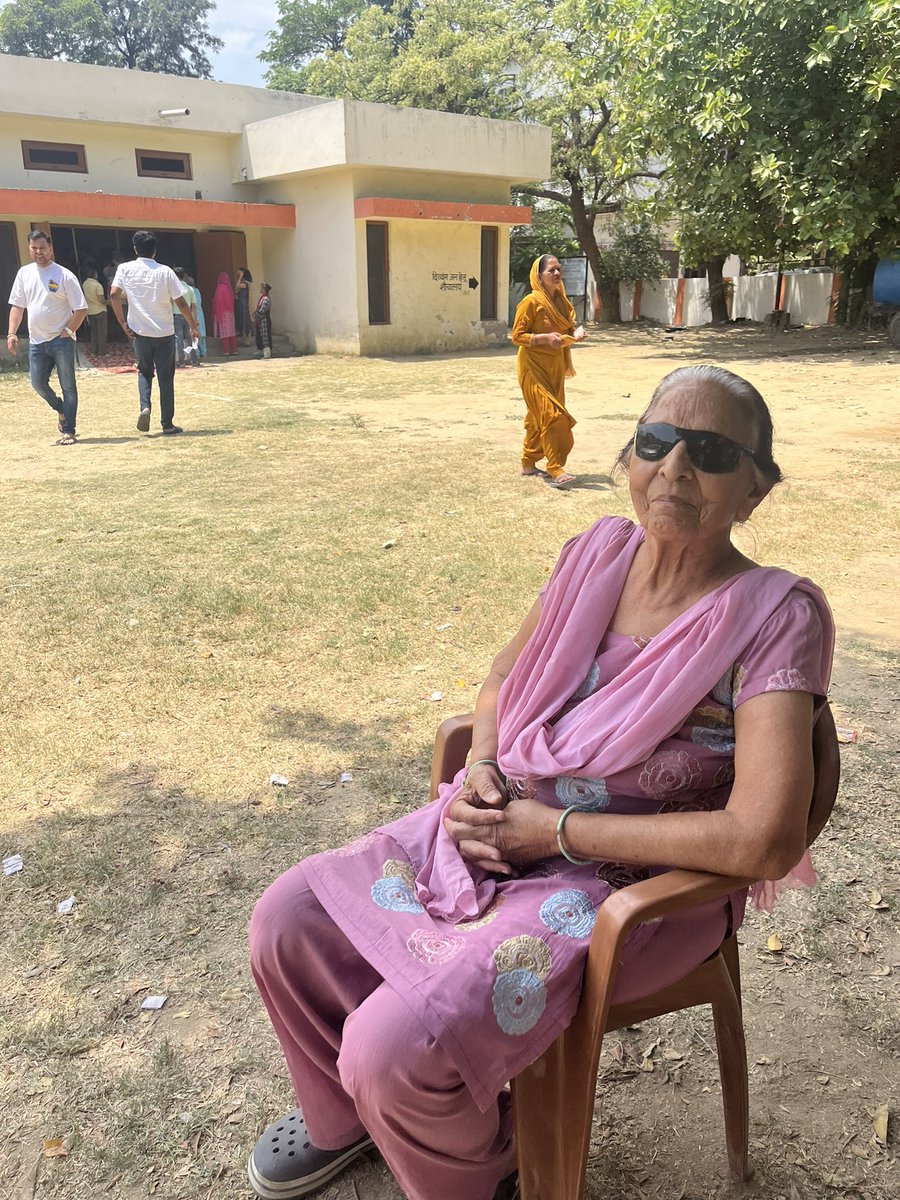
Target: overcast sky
[[242, 25]]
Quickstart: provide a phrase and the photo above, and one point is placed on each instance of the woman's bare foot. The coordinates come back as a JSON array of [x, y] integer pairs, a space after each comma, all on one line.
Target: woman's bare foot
[[533, 471]]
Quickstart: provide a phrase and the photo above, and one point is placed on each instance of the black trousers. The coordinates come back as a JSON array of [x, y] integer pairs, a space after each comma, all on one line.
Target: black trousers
[[157, 354]]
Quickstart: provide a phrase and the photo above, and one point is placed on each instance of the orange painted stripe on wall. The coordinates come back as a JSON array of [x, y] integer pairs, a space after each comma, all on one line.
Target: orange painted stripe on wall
[[679, 302], [368, 207], [835, 297], [144, 210]]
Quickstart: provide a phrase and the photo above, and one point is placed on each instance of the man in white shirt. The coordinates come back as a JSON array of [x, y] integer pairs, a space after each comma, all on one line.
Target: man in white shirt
[[56, 306], [151, 289]]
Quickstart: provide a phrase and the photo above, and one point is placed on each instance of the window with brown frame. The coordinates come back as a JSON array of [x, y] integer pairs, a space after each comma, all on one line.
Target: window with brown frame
[[163, 164], [378, 273], [54, 156]]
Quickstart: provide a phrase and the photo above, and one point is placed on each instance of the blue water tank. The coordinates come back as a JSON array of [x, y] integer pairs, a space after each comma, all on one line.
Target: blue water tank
[[886, 285]]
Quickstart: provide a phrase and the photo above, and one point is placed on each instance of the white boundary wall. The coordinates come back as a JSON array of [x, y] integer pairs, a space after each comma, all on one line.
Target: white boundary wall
[[807, 297]]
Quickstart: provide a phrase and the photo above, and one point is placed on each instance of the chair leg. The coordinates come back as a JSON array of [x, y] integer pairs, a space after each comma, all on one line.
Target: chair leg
[[553, 1104], [729, 952], [732, 1053]]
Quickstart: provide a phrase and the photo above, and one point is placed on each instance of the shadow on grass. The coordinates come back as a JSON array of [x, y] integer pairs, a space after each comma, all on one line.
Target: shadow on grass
[[106, 441], [188, 433]]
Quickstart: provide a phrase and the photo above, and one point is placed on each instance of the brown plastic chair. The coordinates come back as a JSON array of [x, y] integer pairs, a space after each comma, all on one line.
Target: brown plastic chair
[[554, 1096]]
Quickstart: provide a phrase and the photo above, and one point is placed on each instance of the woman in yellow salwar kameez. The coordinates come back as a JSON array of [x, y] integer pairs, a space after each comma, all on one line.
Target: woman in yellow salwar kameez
[[544, 329]]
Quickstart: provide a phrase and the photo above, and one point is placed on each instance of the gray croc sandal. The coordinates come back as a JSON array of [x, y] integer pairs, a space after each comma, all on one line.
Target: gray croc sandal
[[285, 1164]]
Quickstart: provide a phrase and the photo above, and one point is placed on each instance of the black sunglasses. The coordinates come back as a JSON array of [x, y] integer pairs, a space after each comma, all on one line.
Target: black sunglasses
[[709, 452]]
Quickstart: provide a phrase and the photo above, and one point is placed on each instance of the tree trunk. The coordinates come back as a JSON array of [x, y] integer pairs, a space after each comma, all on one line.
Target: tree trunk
[[608, 291], [584, 230], [716, 287]]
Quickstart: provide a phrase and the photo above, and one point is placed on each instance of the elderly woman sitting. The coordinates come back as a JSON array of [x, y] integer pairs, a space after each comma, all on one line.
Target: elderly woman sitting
[[654, 710]]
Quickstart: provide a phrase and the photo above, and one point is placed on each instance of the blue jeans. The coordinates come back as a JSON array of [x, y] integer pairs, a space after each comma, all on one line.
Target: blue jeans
[[182, 334], [157, 354], [59, 352]]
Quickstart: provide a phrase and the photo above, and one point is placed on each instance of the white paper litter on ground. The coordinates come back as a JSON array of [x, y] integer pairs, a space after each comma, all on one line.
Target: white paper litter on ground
[[154, 1002], [65, 906], [437, 695], [13, 864], [278, 780], [346, 777]]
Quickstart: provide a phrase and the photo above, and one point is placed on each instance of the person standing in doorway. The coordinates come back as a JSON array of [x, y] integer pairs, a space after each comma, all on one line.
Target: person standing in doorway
[[201, 318], [98, 320], [223, 314], [264, 321], [56, 307], [150, 289], [242, 304]]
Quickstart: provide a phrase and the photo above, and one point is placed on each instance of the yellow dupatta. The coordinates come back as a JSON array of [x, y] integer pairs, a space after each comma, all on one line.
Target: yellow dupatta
[[559, 311]]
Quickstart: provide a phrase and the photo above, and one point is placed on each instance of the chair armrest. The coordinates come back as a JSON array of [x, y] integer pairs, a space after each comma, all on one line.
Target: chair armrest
[[668, 893], [452, 743]]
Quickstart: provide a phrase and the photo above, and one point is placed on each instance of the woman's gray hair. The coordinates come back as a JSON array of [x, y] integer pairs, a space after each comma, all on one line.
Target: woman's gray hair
[[738, 389]]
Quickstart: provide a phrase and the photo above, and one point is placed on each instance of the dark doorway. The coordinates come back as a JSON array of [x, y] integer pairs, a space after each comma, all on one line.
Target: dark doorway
[[84, 248], [9, 257]]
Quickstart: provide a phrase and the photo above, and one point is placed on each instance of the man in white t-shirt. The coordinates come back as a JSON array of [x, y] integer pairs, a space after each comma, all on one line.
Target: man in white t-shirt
[[151, 289], [56, 306]]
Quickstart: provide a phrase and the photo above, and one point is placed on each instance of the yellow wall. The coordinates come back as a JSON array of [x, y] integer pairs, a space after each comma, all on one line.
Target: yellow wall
[[424, 315], [111, 162], [429, 185], [312, 269]]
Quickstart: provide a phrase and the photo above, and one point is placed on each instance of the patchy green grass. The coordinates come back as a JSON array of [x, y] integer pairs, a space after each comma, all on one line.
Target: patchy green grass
[[283, 590]]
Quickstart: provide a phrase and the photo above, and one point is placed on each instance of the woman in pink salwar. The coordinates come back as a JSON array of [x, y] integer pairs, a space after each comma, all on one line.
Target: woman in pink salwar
[[654, 711], [223, 314]]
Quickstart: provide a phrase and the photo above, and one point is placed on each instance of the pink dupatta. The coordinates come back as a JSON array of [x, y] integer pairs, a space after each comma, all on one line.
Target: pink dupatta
[[620, 725]]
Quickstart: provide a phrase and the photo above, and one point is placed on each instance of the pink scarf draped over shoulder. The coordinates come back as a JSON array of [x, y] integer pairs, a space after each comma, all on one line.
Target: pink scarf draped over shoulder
[[621, 724]]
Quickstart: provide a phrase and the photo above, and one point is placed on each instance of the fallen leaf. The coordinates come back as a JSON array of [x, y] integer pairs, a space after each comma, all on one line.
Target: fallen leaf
[[773, 943], [389, 544], [882, 1116], [876, 901], [672, 1055], [55, 1148], [763, 1061], [823, 1079]]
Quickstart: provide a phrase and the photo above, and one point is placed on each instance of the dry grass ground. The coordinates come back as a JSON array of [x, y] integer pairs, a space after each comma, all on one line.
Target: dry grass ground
[[284, 590]]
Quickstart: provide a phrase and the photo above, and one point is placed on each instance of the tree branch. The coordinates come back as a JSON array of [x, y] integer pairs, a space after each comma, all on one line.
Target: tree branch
[[543, 193]]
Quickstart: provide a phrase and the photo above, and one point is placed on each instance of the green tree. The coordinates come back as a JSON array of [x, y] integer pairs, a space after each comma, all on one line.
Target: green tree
[[779, 127], [548, 233], [421, 53], [169, 36], [533, 60]]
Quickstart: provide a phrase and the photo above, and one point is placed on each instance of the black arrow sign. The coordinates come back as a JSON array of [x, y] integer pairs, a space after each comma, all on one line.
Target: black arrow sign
[[473, 284]]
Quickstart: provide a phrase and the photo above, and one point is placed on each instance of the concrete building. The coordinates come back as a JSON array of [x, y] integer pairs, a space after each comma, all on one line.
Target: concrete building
[[381, 229]]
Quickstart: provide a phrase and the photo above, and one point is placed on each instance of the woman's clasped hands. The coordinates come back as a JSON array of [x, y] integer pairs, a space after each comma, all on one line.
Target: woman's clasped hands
[[495, 832]]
